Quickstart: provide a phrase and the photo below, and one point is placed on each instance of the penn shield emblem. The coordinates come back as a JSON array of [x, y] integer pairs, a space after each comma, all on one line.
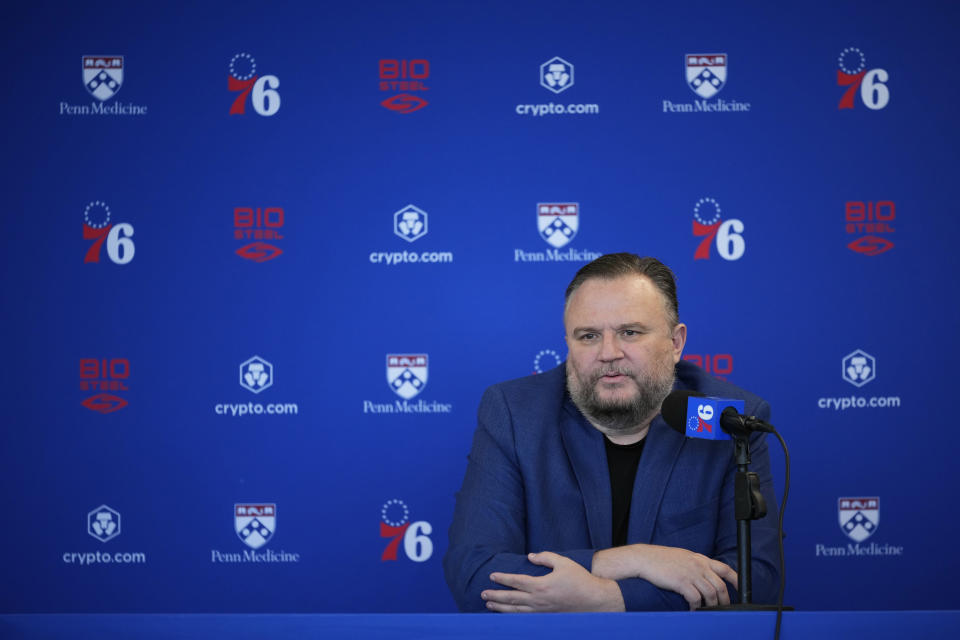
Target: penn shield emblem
[[407, 373], [102, 75], [706, 73], [558, 222], [859, 517], [255, 523]]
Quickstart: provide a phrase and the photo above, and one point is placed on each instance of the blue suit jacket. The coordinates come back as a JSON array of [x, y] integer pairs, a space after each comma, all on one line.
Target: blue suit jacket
[[537, 480]]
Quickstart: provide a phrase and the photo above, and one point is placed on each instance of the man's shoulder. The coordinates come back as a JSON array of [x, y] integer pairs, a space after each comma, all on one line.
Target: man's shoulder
[[690, 376], [550, 384]]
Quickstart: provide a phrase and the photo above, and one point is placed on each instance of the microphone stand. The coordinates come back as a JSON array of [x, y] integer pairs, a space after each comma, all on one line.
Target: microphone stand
[[749, 505]]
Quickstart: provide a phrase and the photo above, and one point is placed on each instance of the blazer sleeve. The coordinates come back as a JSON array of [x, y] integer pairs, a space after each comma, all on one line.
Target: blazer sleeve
[[488, 532]]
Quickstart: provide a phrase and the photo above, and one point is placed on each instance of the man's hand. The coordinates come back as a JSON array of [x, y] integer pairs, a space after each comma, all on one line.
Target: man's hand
[[696, 577], [569, 587]]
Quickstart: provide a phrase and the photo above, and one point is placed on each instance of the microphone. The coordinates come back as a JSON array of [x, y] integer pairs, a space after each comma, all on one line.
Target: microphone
[[698, 416]]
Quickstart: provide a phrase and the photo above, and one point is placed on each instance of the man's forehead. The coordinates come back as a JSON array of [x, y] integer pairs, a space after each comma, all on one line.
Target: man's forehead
[[630, 294]]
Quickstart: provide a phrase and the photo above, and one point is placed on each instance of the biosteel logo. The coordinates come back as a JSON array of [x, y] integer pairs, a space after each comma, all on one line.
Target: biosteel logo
[[107, 376], [406, 79], [873, 223], [258, 224]]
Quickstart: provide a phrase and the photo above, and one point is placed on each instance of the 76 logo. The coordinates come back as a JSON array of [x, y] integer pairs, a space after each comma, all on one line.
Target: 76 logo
[[262, 90], [725, 234], [853, 73], [97, 227], [395, 523]]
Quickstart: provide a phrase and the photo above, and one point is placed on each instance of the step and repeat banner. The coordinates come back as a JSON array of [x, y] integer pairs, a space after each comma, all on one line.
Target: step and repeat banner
[[260, 262]]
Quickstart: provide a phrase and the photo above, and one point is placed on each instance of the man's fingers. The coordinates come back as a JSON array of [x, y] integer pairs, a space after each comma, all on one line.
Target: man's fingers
[[724, 571], [509, 608], [708, 591], [692, 596], [515, 580], [544, 559], [505, 597]]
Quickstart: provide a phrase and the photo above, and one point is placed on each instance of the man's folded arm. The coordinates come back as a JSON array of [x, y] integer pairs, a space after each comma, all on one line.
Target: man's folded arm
[[488, 532]]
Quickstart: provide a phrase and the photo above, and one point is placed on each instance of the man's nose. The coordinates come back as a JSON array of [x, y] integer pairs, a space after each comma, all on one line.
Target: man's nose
[[610, 348]]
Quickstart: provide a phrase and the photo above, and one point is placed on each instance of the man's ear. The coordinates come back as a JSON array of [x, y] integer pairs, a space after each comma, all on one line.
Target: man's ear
[[679, 339]]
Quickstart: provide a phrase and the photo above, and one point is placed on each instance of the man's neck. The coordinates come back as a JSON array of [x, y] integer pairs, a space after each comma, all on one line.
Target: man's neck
[[621, 436]]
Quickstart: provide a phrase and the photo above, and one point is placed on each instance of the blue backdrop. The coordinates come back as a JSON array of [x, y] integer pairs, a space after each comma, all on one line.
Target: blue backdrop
[[261, 260]]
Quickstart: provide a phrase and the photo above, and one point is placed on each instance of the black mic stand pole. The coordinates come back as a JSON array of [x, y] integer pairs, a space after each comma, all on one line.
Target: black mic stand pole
[[748, 505]]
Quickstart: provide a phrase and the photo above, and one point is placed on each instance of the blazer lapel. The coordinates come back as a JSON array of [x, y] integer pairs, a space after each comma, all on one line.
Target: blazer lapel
[[656, 464], [588, 457]]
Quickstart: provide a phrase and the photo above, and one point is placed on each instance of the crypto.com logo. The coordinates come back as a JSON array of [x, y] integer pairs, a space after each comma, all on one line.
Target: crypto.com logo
[[556, 74], [410, 223], [859, 368], [853, 73], [103, 523], [256, 374], [262, 90]]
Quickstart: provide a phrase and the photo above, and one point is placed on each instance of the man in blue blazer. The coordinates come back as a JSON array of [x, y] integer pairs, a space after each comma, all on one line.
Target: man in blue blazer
[[579, 497]]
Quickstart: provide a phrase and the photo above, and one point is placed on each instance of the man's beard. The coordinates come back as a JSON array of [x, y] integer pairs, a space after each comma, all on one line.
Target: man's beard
[[616, 414]]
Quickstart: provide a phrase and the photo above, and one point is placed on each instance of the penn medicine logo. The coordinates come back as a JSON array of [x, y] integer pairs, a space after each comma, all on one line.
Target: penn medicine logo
[[407, 374], [706, 73], [859, 517], [255, 523], [102, 76], [558, 222]]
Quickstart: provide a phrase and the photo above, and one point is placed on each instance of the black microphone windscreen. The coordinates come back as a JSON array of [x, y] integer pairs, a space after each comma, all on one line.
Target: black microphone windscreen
[[674, 410]]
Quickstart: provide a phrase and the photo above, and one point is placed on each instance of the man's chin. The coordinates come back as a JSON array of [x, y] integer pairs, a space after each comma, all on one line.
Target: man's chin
[[622, 391]]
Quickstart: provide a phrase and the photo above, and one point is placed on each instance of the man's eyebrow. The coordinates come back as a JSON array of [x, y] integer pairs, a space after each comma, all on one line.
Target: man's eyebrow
[[629, 325]]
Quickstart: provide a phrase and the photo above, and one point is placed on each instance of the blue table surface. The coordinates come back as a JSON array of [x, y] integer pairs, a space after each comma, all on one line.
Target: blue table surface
[[674, 625]]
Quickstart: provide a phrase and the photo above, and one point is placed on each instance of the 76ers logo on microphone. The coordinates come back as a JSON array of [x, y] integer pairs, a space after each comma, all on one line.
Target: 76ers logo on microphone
[[703, 417], [395, 523], [725, 234], [261, 90], [258, 224], [853, 73]]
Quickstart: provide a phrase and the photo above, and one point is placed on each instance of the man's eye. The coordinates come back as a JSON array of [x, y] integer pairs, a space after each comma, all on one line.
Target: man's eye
[[587, 336]]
